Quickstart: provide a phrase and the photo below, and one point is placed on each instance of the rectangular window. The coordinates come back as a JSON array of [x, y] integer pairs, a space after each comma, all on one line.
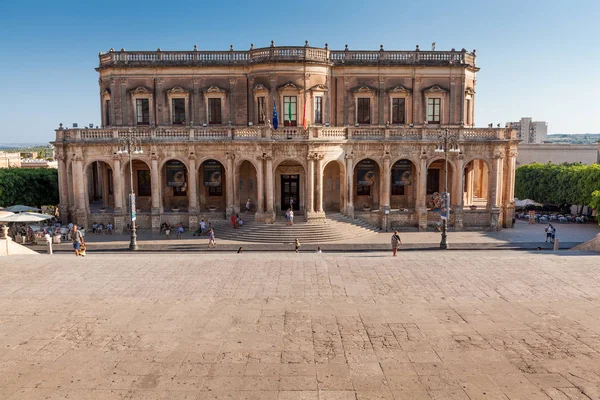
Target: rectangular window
[[290, 111], [433, 110], [143, 183], [262, 110], [143, 111], [178, 111], [398, 111], [214, 112], [363, 111], [107, 112], [318, 110]]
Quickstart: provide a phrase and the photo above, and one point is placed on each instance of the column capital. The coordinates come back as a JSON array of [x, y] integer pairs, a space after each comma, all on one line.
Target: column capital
[[192, 157], [498, 156], [513, 153], [232, 80], [123, 81], [348, 156], [272, 78], [196, 80], [158, 81], [230, 156]]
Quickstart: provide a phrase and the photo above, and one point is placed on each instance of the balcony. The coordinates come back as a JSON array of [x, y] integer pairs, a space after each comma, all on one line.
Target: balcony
[[284, 134], [283, 54]]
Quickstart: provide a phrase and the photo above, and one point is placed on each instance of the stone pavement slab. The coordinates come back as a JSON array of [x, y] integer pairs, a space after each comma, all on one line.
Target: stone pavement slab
[[424, 325]]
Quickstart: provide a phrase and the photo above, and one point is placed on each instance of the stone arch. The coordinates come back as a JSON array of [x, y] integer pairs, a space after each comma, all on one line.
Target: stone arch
[[476, 183], [290, 181], [212, 185], [435, 180], [246, 174], [98, 186], [334, 185], [367, 183], [142, 184], [174, 183], [403, 183]]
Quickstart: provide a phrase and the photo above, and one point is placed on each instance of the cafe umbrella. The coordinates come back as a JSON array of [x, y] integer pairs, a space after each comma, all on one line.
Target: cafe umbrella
[[25, 217]]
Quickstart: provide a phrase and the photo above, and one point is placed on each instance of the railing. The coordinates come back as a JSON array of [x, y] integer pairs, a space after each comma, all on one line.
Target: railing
[[286, 53], [263, 133]]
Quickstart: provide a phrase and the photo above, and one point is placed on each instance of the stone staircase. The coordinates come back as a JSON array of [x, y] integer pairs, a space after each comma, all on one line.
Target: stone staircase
[[336, 228]]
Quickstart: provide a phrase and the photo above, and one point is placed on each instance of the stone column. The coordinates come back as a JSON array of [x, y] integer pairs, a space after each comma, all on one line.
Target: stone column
[[192, 193], [422, 194], [319, 167], [124, 100], [270, 217], [327, 100], [381, 101], [260, 188], [494, 197], [155, 186], [195, 111], [417, 98], [159, 120], [509, 203], [79, 182], [229, 181], [232, 107], [250, 101], [346, 90], [385, 192], [452, 101], [350, 186], [310, 190], [118, 194], [457, 196]]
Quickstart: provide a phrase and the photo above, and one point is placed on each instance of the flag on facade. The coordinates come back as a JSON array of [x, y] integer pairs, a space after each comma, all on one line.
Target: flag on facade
[[290, 113], [275, 119], [304, 123]]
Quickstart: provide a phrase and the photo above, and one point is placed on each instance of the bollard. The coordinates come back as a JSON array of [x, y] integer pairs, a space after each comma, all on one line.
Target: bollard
[[556, 244], [48, 243]]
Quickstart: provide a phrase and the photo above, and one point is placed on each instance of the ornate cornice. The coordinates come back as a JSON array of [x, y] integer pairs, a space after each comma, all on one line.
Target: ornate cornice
[[140, 90], [289, 86], [319, 88], [177, 89], [399, 89], [364, 89], [260, 88], [215, 89], [435, 89]]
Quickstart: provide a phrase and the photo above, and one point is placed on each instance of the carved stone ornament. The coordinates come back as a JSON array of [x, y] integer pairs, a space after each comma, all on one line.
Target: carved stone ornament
[[319, 88], [177, 89], [435, 89], [289, 86], [140, 89], [364, 89], [260, 88], [399, 89], [470, 91], [105, 92], [215, 89]]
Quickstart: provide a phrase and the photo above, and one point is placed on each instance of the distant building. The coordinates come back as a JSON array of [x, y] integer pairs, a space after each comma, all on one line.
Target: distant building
[[8, 160], [558, 153], [531, 131]]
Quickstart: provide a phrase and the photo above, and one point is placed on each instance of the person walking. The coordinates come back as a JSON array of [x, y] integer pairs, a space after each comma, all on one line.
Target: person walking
[[179, 230], [297, 245], [395, 242], [291, 217], [211, 238], [77, 239], [248, 204]]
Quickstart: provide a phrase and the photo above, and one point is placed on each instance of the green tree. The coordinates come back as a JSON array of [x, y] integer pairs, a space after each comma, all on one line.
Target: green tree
[[30, 186]]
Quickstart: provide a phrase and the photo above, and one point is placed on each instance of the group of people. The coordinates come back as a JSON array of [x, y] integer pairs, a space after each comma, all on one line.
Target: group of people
[[289, 216], [236, 221], [97, 229], [550, 233]]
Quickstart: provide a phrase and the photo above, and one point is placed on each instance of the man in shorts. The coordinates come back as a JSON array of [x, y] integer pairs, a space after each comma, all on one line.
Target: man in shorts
[[77, 238]]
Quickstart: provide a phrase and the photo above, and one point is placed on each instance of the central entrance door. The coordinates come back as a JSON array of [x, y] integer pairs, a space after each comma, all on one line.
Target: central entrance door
[[290, 192]]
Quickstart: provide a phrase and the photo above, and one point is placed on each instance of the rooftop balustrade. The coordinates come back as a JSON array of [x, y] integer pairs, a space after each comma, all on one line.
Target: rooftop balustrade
[[285, 54], [266, 133]]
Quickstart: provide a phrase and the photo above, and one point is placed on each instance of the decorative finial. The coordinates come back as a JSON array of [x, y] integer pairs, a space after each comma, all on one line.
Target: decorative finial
[[195, 48], [60, 126], [474, 52], [272, 43], [158, 49], [306, 43], [230, 47], [417, 49], [453, 50], [326, 46], [346, 49], [251, 46], [122, 49], [380, 47], [112, 50], [463, 50]]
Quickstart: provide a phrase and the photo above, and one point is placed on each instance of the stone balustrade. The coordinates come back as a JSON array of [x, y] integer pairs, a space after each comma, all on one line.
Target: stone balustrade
[[284, 53], [321, 133]]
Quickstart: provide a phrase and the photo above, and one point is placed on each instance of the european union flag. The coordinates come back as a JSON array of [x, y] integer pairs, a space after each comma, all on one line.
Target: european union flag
[[275, 119]]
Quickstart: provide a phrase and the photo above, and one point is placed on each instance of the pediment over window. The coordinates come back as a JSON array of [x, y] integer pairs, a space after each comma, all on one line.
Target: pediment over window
[[141, 90], [260, 88], [215, 89], [177, 89], [289, 86], [470, 91], [364, 89], [319, 88], [435, 89], [399, 89]]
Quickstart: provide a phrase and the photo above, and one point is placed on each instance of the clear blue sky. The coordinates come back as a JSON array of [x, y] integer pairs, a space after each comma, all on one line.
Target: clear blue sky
[[537, 58]]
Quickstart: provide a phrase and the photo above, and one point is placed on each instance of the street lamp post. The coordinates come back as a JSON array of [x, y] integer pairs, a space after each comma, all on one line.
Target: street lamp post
[[131, 145], [446, 144]]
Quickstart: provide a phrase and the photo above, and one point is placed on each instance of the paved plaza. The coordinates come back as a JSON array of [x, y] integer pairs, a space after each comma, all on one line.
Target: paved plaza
[[424, 325]]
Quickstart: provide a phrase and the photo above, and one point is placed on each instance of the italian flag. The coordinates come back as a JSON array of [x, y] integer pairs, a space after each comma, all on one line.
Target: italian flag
[[290, 112]]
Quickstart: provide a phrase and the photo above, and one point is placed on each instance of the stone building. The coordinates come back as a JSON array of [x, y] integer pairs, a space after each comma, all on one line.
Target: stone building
[[357, 134]]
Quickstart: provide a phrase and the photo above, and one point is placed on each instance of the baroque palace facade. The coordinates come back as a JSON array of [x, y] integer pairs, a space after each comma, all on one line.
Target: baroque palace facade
[[359, 133]]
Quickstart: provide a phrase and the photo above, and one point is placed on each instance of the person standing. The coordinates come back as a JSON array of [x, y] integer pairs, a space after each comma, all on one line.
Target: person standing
[[233, 221], [77, 239], [291, 216], [395, 242], [549, 229], [211, 238], [179, 230], [248, 204], [297, 245]]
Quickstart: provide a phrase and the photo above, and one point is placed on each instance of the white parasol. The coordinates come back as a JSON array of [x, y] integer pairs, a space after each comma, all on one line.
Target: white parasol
[[25, 217]]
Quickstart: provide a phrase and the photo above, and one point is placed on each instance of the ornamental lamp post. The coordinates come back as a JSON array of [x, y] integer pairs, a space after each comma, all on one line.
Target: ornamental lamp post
[[131, 144], [446, 144]]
